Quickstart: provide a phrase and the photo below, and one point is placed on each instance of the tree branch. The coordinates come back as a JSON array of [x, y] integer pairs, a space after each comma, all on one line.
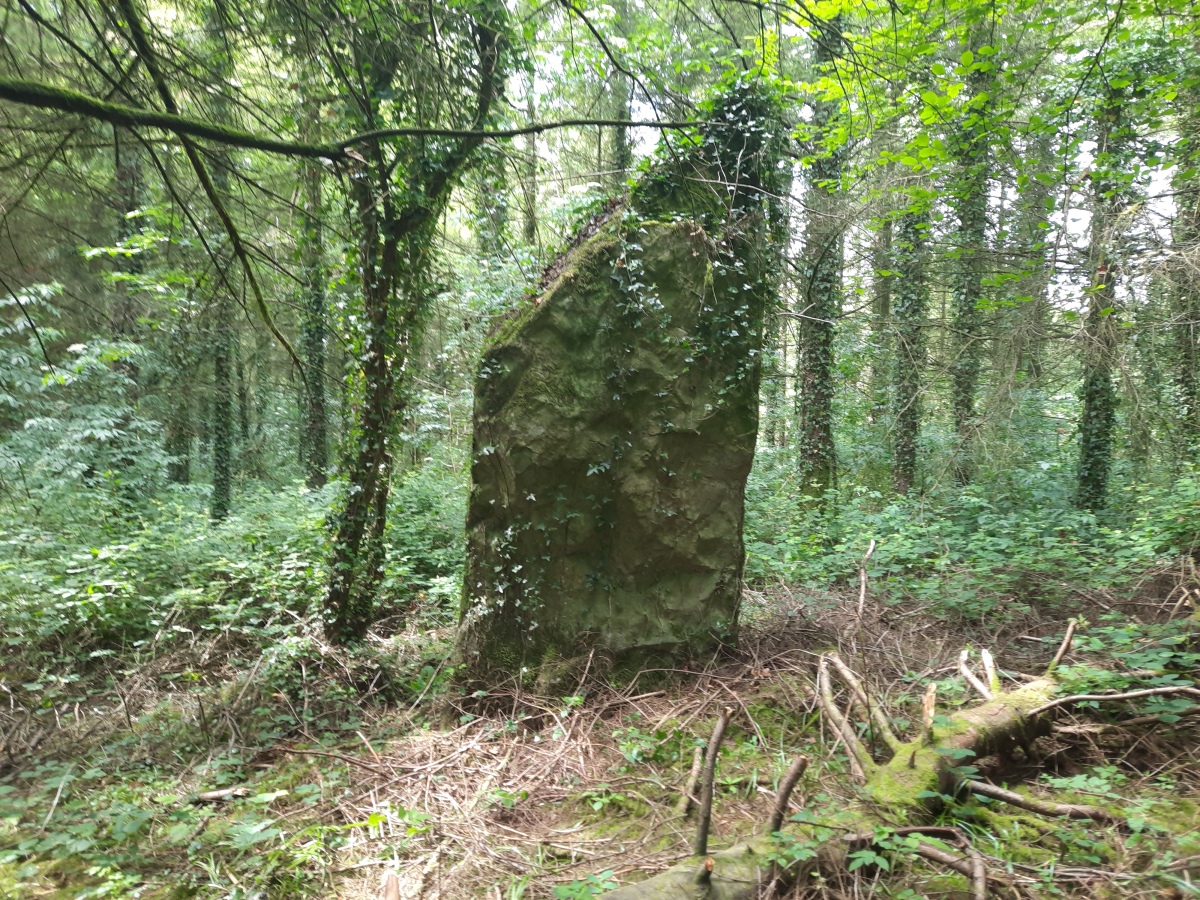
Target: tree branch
[[146, 52], [45, 96]]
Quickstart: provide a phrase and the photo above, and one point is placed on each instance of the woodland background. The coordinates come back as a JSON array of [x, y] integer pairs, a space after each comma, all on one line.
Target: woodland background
[[236, 379]]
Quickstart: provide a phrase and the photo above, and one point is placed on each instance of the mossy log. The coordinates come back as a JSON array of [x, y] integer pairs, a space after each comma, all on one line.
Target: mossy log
[[902, 791]]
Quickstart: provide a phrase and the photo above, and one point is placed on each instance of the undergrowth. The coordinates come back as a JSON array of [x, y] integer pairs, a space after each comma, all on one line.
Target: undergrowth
[[152, 657]]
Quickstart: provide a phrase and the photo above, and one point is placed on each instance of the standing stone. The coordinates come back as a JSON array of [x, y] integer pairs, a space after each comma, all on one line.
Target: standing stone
[[615, 423]]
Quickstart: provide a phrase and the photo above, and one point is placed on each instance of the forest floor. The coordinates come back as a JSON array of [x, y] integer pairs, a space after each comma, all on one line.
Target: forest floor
[[166, 790]]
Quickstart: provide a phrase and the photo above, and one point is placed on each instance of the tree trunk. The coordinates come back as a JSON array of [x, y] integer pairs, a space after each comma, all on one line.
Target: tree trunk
[[357, 558], [180, 429], [1186, 283], [910, 306], [970, 205], [1029, 349], [491, 203], [393, 246], [529, 185], [179, 437], [223, 317], [881, 320], [128, 189], [1098, 394], [820, 304], [222, 409], [315, 438]]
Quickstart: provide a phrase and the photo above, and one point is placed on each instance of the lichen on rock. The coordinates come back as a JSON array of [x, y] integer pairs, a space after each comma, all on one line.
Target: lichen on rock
[[615, 422]]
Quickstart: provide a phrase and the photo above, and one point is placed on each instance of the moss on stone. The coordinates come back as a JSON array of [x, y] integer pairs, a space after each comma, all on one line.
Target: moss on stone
[[615, 422], [612, 443]]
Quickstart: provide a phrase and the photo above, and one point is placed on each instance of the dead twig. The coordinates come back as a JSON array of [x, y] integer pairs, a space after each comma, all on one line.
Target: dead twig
[[857, 756], [349, 760], [928, 707], [862, 579], [874, 710], [689, 789], [706, 784], [229, 793], [1041, 807], [972, 679], [793, 776], [1063, 648], [1128, 695]]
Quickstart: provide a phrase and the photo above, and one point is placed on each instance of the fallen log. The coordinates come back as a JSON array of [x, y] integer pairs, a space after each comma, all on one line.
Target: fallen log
[[905, 788]]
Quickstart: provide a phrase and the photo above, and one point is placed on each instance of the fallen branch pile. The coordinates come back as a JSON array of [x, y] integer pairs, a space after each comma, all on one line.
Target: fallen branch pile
[[907, 787]]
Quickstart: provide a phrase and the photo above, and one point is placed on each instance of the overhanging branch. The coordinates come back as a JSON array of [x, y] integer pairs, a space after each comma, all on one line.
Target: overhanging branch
[[45, 96]]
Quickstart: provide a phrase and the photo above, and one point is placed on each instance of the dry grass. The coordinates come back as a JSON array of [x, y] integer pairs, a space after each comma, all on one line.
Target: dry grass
[[494, 797], [543, 757]]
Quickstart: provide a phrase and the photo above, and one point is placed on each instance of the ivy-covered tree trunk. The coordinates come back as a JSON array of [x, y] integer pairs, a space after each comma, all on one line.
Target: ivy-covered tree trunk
[[776, 408], [1186, 282], [315, 438], [1030, 331], [245, 401], [910, 306], [970, 200], [394, 245], [529, 179], [1098, 395], [223, 318], [820, 302], [881, 320], [222, 407], [358, 553]]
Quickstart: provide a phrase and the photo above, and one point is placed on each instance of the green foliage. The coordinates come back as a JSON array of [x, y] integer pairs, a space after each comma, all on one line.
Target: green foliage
[[71, 596], [602, 797], [584, 888], [972, 550]]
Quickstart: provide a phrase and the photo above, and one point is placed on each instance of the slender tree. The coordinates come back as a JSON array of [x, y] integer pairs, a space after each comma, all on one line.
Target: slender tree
[[820, 302], [529, 179], [881, 318], [1185, 270], [1098, 394], [397, 195], [1030, 244], [223, 336], [910, 308], [128, 189], [970, 198], [621, 87], [315, 440]]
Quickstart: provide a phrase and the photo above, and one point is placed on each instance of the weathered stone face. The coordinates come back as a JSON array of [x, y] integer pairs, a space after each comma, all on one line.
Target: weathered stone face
[[615, 424]]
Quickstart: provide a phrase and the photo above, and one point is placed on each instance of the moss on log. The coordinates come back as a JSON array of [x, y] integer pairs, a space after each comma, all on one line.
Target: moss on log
[[902, 791]]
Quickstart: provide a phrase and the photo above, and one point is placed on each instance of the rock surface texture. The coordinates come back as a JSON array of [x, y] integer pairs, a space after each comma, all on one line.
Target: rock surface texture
[[615, 422]]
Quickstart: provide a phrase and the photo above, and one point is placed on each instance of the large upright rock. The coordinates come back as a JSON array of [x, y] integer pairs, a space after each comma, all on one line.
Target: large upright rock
[[615, 423]]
